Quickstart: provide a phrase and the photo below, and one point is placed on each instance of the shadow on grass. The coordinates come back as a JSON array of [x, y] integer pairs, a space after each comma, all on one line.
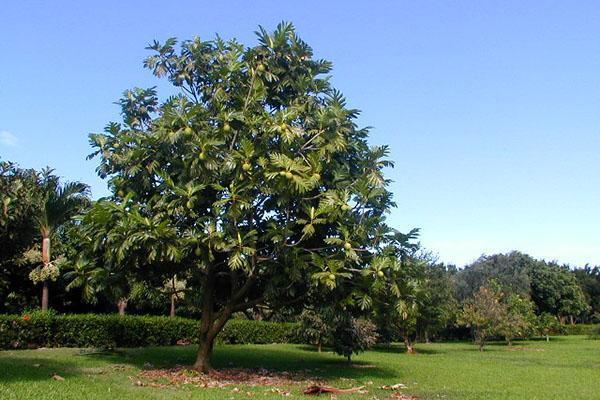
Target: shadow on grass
[[397, 348], [279, 358], [25, 365], [290, 358], [31, 368]]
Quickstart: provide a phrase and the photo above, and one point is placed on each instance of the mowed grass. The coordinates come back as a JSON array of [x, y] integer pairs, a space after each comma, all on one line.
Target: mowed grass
[[565, 368]]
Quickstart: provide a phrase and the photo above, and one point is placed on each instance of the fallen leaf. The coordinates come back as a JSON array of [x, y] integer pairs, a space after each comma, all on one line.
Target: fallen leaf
[[318, 390], [397, 386]]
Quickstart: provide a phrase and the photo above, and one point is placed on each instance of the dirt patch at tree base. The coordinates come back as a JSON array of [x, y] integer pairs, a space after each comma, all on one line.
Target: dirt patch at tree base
[[280, 382], [221, 378]]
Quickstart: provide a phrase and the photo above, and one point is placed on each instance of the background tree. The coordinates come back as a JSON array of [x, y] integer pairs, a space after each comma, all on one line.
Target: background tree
[[589, 281], [555, 290], [439, 307], [19, 200], [253, 180], [148, 297], [509, 270]]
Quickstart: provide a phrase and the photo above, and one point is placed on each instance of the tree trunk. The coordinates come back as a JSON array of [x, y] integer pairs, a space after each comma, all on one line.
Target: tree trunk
[[320, 346], [45, 261], [426, 337], [172, 314], [409, 346], [547, 338], [571, 320], [122, 305], [205, 350], [45, 294]]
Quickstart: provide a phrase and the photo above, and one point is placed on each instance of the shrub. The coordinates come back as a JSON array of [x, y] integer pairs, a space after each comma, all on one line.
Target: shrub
[[93, 330], [595, 332]]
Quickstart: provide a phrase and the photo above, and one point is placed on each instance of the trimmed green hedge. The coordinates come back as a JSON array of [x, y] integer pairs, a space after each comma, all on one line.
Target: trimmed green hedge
[[579, 329], [91, 330]]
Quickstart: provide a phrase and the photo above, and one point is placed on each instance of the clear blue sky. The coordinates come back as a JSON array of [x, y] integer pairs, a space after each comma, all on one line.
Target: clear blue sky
[[491, 109]]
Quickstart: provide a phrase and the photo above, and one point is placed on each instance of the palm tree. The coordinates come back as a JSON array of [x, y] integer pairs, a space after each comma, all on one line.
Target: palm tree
[[59, 204]]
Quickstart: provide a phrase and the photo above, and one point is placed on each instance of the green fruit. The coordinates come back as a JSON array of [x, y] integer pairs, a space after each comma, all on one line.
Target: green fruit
[[281, 173], [121, 193], [289, 175], [202, 156], [197, 251], [260, 68], [282, 127], [331, 276], [190, 204], [380, 274], [188, 130], [317, 176], [345, 207], [347, 246], [246, 166], [226, 127]]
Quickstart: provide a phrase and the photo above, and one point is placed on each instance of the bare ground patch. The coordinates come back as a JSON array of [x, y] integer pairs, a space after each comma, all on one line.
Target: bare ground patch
[[240, 380], [181, 375]]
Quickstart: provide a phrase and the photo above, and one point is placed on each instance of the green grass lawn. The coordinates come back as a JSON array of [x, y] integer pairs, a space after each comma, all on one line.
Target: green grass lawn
[[565, 368]]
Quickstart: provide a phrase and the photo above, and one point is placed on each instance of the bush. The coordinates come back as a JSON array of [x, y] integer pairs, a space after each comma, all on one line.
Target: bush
[[92, 330], [595, 333]]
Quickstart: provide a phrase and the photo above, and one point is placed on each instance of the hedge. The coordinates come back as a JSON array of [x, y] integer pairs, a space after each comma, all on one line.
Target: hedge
[[580, 329], [92, 330]]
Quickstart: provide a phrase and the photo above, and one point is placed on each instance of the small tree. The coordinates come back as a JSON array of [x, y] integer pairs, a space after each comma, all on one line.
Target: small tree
[[396, 291], [483, 313], [316, 327], [352, 336], [517, 318], [546, 324]]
